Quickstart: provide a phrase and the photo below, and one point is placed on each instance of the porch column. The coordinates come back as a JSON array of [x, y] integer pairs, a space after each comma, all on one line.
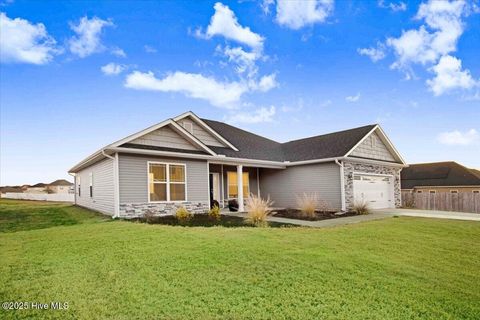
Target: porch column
[[240, 188]]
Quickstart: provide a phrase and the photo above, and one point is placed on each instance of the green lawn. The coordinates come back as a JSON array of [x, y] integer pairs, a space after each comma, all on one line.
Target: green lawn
[[398, 268]]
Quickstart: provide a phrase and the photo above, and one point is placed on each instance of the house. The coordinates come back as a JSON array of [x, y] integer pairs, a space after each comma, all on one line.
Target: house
[[37, 188], [60, 186], [440, 177], [13, 189], [188, 161]]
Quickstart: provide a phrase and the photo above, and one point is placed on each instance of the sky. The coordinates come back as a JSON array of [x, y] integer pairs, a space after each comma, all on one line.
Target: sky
[[76, 76]]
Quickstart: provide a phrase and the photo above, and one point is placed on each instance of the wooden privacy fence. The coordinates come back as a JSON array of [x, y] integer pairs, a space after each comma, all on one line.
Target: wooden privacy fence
[[446, 201]]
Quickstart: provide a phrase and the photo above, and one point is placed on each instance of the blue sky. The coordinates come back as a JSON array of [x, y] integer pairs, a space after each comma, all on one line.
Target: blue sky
[[76, 76]]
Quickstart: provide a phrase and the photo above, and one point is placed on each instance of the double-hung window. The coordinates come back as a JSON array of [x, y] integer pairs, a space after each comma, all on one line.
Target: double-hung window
[[166, 182], [91, 184], [79, 186]]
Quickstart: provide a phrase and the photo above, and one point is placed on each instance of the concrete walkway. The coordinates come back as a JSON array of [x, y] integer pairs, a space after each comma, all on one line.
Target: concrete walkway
[[430, 214], [319, 224]]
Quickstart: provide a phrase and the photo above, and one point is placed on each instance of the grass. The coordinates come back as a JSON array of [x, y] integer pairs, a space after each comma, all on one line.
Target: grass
[[403, 268]]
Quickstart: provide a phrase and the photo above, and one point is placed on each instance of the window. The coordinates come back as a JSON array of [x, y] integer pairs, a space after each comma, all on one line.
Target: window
[[432, 191], [91, 184], [79, 186], [419, 191], [233, 186], [476, 191], [454, 191], [188, 126], [166, 182]]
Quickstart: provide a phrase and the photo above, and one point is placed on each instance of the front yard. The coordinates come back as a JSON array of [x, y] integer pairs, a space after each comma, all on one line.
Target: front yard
[[397, 268]]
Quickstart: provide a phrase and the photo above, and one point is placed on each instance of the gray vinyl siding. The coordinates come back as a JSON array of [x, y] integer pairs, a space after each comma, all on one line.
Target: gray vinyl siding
[[133, 177], [164, 137], [202, 135], [103, 187], [283, 185], [366, 150]]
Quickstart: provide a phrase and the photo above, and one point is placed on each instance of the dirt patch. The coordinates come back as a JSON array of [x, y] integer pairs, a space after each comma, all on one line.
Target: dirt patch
[[297, 214]]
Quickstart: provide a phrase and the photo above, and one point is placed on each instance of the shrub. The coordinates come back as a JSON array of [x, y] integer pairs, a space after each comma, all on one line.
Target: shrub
[[183, 215], [361, 207], [307, 203], [214, 213], [257, 210]]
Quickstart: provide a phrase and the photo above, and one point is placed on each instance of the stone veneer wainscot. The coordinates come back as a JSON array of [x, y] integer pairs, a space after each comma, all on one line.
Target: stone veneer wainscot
[[350, 167], [135, 210]]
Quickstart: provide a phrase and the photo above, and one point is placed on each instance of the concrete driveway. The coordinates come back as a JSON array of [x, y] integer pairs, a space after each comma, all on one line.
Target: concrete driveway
[[431, 214]]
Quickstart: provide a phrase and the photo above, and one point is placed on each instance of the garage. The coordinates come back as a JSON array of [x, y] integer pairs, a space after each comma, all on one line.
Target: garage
[[375, 190]]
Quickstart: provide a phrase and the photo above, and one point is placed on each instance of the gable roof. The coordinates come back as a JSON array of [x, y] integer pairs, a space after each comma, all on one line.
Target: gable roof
[[38, 185], [247, 146], [447, 173]]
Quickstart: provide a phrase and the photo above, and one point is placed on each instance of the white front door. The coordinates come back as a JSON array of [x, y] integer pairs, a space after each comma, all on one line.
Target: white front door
[[216, 186], [376, 191]]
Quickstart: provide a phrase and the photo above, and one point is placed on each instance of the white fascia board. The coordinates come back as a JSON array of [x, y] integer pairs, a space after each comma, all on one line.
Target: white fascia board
[[378, 162], [361, 140], [313, 161], [205, 126], [390, 144], [140, 133]]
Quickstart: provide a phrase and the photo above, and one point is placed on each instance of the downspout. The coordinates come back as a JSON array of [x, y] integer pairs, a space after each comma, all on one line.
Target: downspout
[[400, 182], [342, 184], [116, 190]]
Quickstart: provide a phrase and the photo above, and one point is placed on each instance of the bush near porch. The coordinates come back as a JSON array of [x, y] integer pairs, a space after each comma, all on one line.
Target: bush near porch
[[398, 268]]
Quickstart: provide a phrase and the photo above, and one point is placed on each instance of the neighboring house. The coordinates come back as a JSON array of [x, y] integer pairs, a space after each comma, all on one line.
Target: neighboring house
[[36, 188], [188, 161], [60, 186], [6, 189], [440, 177]]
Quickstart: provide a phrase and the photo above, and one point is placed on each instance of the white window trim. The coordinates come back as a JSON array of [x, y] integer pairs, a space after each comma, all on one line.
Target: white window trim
[[167, 168], [228, 184], [79, 186]]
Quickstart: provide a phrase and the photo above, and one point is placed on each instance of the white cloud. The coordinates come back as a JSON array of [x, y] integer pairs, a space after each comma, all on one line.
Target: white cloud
[[24, 42], [87, 41], [225, 23], [422, 45], [112, 69], [459, 138], [375, 54], [400, 6], [353, 98], [297, 14], [258, 116], [118, 52], [149, 49], [266, 5], [220, 94], [245, 62], [267, 83], [450, 76]]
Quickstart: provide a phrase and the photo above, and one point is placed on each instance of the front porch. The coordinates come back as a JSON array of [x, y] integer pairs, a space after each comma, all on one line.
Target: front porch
[[228, 182]]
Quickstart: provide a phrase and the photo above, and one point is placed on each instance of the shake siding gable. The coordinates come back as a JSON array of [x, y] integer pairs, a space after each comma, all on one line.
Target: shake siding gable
[[164, 137], [103, 187], [201, 134], [376, 150], [133, 177]]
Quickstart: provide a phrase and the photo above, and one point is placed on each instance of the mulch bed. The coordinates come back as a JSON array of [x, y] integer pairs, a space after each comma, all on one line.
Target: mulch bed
[[297, 214]]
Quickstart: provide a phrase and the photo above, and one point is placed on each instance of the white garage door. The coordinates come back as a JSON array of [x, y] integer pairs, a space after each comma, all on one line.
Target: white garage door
[[377, 191]]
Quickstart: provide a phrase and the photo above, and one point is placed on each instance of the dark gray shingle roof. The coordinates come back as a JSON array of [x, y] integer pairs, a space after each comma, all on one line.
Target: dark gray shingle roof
[[252, 146], [438, 174]]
